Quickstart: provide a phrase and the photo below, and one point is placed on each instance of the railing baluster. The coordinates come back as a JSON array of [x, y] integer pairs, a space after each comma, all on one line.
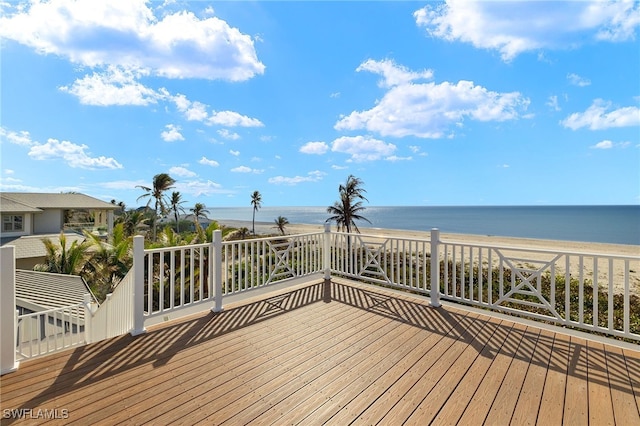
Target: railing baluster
[[611, 324]]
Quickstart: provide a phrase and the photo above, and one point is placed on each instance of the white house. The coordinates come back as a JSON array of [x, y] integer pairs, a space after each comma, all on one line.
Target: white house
[[27, 218]]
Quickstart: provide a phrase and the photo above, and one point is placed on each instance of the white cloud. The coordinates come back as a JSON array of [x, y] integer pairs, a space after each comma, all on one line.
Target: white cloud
[[124, 184], [172, 133], [245, 169], [313, 176], [394, 158], [128, 34], [181, 171], [336, 167], [417, 150], [198, 188], [576, 80], [19, 138], [362, 148], [314, 148], [430, 110], [115, 86], [607, 144], [234, 153], [233, 119], [393, 74], [207, 162], [195, 111], [596, 117], [516, 27], [552, 103], [603, 145], [228, 135], [74, 155]]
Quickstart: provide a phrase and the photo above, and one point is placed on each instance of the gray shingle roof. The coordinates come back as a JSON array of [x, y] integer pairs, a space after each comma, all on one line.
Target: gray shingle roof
[[34, 200], [48, 291], [8, 205], [32, 246]]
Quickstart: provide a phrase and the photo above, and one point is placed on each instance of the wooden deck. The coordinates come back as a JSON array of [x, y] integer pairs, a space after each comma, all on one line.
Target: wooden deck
[[333, 353]]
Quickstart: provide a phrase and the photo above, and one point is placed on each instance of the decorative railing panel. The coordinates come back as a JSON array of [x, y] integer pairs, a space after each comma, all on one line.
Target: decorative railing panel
[[395, 262], [250, 264], [582, 290]]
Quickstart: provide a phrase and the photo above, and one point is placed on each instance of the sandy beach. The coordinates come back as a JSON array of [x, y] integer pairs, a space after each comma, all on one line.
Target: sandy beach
[[267, 228]]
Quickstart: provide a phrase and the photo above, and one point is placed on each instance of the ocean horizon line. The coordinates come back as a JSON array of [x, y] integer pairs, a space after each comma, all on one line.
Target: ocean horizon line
[[616, 224]]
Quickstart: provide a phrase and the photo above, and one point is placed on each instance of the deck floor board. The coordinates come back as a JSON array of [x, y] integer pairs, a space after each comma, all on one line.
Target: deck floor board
[[365, 355]]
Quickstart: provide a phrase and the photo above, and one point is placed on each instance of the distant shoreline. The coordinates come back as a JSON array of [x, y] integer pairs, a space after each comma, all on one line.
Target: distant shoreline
[[605, 224]]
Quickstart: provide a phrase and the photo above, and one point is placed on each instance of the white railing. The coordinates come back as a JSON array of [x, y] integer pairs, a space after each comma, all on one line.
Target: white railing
[[395, 262], [514, 280], [533, 282], [114, 317], [183, 278], [177, 277], [49, 331], [167, 283], [256, 263]]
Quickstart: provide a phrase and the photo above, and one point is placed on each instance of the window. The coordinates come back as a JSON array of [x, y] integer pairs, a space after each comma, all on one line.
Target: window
[[11, 222]]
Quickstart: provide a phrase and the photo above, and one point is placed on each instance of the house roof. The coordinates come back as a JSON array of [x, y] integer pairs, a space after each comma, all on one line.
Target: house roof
[[39, 291], [25, 202], [32, 246], [7, 205]]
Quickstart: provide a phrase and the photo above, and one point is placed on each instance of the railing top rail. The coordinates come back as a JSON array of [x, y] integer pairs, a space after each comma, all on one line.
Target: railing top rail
[[382, 236], [539, 250], [48, 311], [276, 237], [174, 248]]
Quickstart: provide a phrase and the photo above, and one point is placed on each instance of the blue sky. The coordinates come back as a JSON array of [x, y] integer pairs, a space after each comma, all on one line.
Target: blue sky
[[429, 103]]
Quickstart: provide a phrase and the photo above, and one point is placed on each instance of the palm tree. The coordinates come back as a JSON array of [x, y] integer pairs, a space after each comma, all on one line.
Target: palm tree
[[161, 182], [175, 202], [256, 202], [61, 259], [133, 221], [238, 234], [198, 211], [347, 210], [110, 261], [281, 222]]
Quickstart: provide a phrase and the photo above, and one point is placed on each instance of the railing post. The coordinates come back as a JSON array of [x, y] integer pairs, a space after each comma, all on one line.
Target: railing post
[[138, 286], [88, 317], [326, 251], [8, 314], [217, 270], [435, 268]]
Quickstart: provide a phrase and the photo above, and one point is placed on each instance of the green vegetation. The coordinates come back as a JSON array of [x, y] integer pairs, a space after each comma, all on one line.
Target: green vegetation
[[162, 182], [256, 202], [281, 222], [347, 210]]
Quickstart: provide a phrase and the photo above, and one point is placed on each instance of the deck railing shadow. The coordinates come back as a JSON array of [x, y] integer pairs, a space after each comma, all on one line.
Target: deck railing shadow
[[526, 344], [102, 360], [99, 361]]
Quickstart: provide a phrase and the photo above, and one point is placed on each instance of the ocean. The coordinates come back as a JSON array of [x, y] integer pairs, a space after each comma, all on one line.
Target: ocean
[[599, 224]]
